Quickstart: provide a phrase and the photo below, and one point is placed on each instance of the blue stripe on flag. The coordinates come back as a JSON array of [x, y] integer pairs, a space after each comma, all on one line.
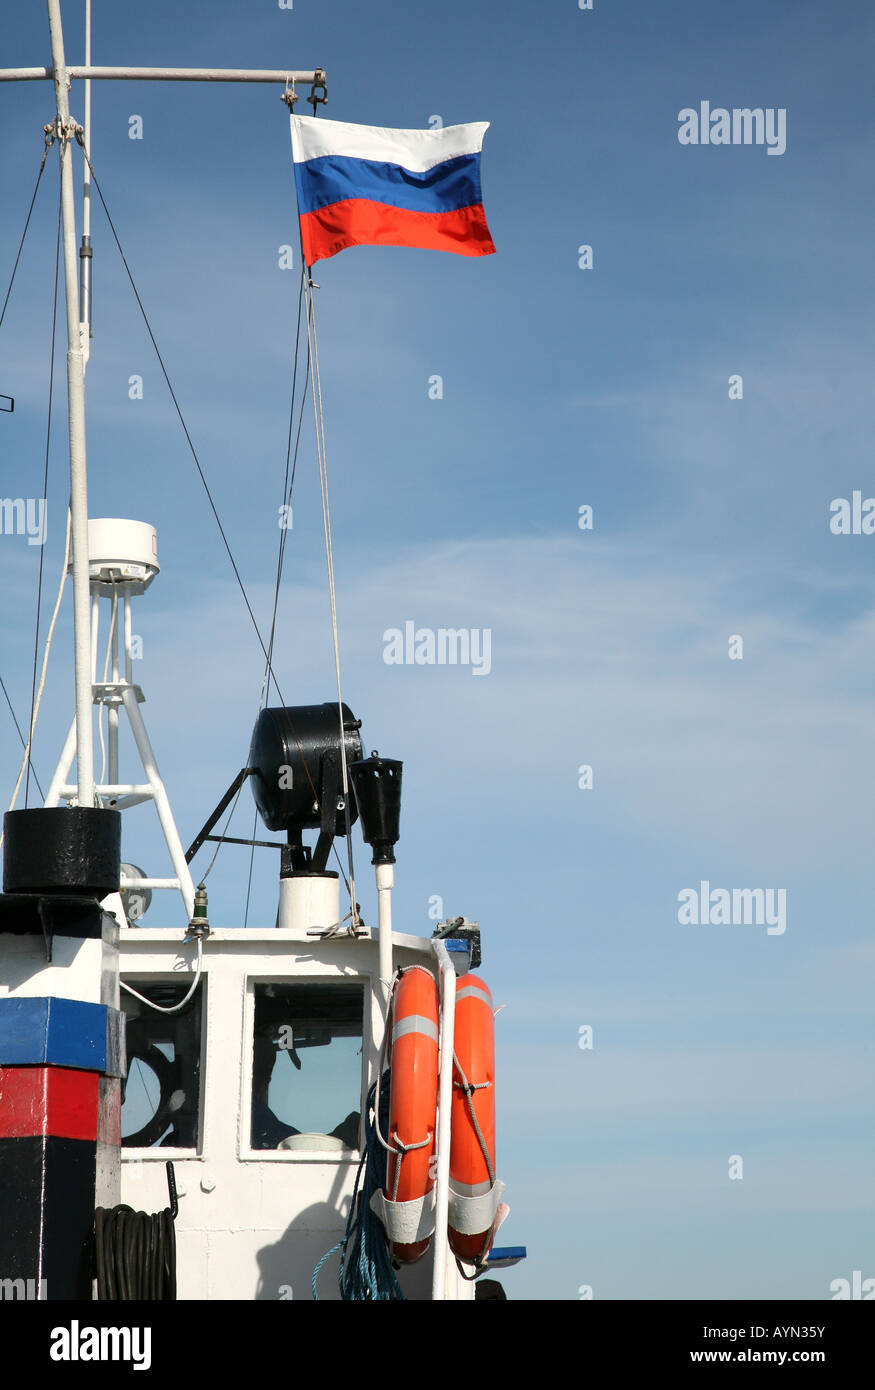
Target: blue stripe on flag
[[452, 184]]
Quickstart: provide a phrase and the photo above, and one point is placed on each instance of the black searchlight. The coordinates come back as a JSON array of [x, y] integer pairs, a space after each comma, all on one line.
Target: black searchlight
[[296, 774]]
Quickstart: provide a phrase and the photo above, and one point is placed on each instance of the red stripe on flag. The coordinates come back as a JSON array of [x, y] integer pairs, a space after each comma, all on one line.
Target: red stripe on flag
[[359, 222], [57, 1101]]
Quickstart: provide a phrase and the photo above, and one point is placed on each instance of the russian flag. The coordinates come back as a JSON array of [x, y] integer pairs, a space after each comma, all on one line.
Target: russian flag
[[362, 185]]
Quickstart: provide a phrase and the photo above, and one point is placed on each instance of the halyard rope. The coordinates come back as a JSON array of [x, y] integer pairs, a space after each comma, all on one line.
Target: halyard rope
[[319, 417]]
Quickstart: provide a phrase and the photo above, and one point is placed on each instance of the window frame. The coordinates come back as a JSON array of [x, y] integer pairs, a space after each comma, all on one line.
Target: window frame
[[245, 1152], [157, 1153]]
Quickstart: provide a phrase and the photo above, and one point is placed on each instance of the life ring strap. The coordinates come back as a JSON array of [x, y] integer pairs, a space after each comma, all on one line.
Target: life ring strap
[[468, 1088], [401, 1149], [405, 1223], [470, 1215]]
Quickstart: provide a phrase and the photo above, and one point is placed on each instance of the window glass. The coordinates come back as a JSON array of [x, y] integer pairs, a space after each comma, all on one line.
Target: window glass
[[307, 1066], [161, 1093]]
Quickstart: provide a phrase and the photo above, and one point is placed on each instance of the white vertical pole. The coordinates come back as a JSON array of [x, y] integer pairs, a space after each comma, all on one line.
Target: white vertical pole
[[445, 1097], [385, 884], [65, 762], [162, 805], [383, 982], [85, 249], [62, 771], [86, 176], [112, 711], [129, 663], [95, 630], [76, 413]]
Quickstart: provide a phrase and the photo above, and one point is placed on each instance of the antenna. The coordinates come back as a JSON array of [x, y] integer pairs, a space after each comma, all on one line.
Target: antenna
[[123, 561]]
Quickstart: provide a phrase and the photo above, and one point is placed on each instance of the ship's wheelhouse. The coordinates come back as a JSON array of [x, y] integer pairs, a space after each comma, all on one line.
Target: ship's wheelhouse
[[256, 1091]]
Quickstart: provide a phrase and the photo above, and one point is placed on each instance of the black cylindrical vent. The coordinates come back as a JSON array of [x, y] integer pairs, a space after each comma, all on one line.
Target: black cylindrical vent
[[289, 747], [62, 849], [377, 784]]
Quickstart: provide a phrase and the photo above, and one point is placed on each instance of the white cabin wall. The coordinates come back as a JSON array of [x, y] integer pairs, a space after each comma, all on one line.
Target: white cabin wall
[[84, 969], [253, 1228]]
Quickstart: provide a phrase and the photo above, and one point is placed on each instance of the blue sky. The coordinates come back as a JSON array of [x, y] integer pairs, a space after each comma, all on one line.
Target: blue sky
[[561, 387]]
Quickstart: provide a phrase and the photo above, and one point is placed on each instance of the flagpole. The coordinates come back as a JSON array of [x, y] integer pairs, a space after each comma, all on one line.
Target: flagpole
[[76, 421], [85, 248]]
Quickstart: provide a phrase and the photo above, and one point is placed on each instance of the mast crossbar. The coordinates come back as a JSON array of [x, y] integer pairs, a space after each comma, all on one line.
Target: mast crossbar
[[287, 75]]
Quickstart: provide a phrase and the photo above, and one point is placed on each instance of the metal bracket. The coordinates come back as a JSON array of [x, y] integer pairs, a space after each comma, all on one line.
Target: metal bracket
[[47, 926], [226, 799], [62, 130], [318, 85], [204, 833], [110, 693]]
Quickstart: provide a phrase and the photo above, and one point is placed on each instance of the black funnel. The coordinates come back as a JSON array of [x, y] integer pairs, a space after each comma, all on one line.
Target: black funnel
[[67, 850], [377, 785]]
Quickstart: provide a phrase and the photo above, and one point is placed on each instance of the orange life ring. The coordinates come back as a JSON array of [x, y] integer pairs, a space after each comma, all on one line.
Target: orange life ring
[[412, 1096], [473, 1089]]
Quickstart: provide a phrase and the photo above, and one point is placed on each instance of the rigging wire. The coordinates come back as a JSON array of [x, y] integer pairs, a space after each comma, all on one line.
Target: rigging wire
[[49, 142], [20, 734], [176, 404], [288, 488], [225, 830], [313, 354], [288, 482], [39, 589], [197, 463], [202, 476], [313, 360], [42, 166], [42, 681], [251, 867], [141, 1072]]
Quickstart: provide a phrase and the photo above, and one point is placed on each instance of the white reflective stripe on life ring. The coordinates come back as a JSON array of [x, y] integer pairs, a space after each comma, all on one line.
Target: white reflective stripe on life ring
[[470, 1189], [415, 1023], [473, 989]]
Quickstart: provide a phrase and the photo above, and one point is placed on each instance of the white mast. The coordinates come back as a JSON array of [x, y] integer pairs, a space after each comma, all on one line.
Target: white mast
[[78, 332], [85, 248], [76, 414]]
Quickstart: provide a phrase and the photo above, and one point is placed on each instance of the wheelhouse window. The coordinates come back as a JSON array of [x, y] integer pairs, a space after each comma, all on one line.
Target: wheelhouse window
[[307, 1066], [161, 1093]]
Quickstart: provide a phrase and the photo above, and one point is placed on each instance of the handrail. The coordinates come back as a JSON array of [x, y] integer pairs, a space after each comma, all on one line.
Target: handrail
[[445, 1094]]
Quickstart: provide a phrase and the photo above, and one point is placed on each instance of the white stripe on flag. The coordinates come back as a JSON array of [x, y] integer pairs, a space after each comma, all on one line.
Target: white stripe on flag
[[417, 150]]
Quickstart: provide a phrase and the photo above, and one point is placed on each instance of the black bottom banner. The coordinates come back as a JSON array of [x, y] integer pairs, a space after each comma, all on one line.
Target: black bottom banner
[[169, 1338]]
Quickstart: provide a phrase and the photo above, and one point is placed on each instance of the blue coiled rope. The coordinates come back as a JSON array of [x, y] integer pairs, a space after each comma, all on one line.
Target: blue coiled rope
[[366, 1272]]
